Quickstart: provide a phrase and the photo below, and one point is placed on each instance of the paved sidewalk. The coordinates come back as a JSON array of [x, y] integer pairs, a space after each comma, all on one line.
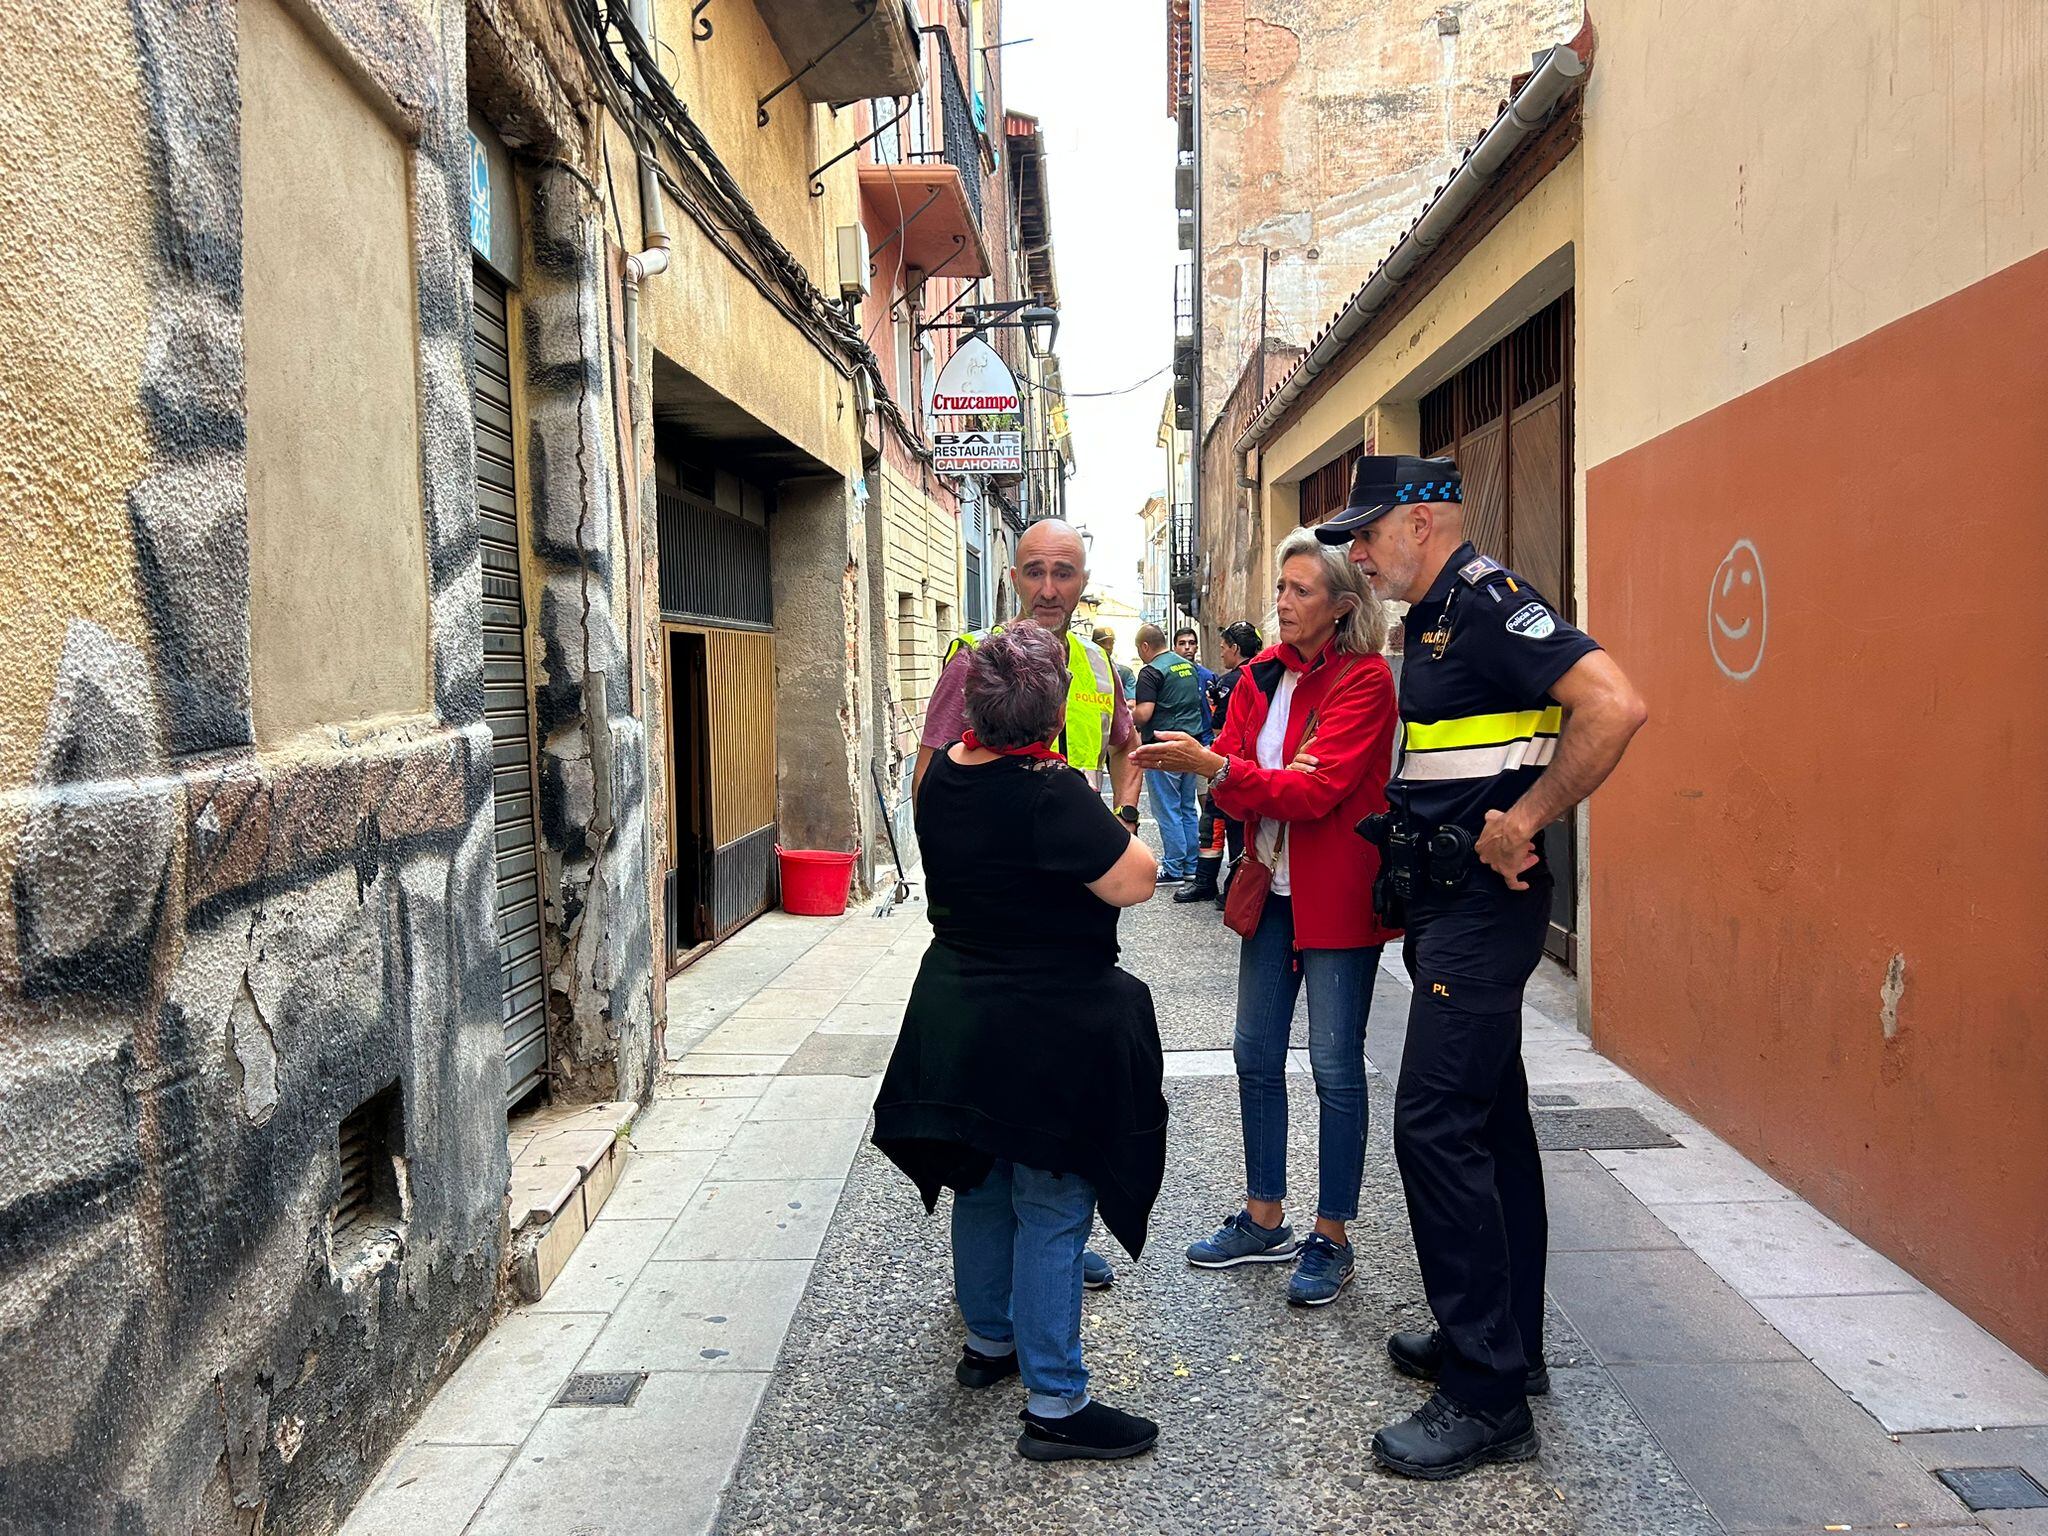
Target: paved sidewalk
[[1725, 1358]]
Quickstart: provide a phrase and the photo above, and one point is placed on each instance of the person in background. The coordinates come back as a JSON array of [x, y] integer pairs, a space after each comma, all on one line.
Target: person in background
[[1170, 699], [1126, 674], [1220, 834], [1188, 645], [1303, 756], [1027, 1075]]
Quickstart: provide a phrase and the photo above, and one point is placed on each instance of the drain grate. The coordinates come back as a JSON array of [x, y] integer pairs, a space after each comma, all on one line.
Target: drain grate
[[601, 1389], [1552, 1098], [1587, 1130], [1994, 1487]]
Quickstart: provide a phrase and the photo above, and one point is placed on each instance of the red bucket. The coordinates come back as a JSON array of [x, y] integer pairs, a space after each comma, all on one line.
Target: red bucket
[[815, 883]]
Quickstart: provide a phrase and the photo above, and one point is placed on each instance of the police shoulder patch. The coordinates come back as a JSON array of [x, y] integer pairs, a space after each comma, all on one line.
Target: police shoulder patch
[[1532, 621], [1478, 571]]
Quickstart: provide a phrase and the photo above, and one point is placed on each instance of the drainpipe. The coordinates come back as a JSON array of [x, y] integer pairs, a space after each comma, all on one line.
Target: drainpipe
[[1561, 69], [649, 262], [652, 259]]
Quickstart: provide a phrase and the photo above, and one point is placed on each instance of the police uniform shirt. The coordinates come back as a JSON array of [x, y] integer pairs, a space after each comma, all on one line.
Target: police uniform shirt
[[1168, 683], [1478, 724]]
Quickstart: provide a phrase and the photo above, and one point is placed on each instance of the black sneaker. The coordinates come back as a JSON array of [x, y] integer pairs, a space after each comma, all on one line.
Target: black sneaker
[[1444, 1439], [1097, 1433], [976, 1370], [1421, 1355]]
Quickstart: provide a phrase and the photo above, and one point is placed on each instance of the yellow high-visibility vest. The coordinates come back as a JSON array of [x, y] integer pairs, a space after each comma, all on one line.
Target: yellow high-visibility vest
[[1091, 698]]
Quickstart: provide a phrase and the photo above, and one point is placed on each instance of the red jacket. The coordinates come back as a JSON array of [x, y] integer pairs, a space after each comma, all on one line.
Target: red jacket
[[1330, 868]]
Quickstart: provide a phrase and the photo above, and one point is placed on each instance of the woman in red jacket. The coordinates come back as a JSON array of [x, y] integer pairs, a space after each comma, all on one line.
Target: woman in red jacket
[[1304, 753]]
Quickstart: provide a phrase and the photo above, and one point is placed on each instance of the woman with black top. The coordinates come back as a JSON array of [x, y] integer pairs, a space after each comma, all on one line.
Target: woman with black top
[[1027, 1075]]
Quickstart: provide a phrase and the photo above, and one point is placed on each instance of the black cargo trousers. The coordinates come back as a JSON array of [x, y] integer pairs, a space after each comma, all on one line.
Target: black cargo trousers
[[1462, 1133]]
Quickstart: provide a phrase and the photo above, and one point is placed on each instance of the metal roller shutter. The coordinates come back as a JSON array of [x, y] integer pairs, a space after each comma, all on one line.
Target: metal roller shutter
[[506, 701]]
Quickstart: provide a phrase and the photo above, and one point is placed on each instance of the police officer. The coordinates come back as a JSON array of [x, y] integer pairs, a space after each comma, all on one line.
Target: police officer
[[1510, 717]]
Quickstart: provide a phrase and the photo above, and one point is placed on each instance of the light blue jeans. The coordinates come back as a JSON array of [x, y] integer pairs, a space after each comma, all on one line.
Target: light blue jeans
[[1174, 802], [1339, 999], [1017, 1243]]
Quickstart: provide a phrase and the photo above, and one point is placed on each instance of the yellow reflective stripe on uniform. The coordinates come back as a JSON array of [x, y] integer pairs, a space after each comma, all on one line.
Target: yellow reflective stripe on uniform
[[1476, 762], [1482, 730]]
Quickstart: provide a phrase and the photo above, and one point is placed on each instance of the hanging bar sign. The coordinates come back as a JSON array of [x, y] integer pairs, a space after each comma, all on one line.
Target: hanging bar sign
[[975, 382], [978, 453]]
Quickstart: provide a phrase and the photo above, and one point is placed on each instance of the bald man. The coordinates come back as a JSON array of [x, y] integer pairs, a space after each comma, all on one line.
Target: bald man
[[1049, 577]]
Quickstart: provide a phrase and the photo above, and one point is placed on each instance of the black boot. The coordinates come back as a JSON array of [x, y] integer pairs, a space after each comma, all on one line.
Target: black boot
[[1443, 1439], [1421, 1355], [977, 1371], [1203, 886], [1097, 1433]]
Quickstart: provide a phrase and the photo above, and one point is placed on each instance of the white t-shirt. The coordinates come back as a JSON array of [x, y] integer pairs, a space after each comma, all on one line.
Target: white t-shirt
[[1272, 744]]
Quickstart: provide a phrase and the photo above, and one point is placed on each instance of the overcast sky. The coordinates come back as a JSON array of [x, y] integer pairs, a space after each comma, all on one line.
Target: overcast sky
[[1095, 77]]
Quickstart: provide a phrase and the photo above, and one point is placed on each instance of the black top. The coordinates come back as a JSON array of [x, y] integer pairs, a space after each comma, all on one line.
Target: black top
[[1478, 724], [1221, 685], [1009, 848], [1022, 1039]]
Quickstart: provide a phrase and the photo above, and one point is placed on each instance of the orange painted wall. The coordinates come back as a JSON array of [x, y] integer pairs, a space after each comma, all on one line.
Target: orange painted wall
[[1878, 786]]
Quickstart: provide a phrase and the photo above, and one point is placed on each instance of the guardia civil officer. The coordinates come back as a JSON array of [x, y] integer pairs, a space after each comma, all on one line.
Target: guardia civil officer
[[1509, 717]]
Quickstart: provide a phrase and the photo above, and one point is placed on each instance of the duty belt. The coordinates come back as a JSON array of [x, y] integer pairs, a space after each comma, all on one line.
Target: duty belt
[[1414, 859]]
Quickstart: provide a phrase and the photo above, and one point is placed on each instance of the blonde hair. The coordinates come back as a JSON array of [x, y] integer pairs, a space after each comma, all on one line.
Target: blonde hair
[[1362, 625]]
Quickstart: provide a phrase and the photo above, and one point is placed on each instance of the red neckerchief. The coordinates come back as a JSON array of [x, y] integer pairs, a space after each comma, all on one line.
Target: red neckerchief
[[1037, 749]]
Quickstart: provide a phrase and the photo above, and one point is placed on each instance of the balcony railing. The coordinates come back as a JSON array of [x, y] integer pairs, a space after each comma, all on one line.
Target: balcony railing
[[910, 141], [1181, 534]]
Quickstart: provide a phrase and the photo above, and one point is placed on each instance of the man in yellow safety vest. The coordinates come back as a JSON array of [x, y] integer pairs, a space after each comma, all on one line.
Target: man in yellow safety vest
[[1050, 574]]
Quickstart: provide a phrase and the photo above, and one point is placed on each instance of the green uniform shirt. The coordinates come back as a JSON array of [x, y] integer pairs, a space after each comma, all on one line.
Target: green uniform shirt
[[1169, 684]]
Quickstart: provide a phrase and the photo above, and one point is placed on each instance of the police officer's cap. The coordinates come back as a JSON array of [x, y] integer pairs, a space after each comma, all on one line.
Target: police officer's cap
[[1384, 481]]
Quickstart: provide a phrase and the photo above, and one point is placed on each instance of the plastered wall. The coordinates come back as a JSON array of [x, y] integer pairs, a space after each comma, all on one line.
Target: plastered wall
[[1323, 129], [211, 954], [1811, 405]]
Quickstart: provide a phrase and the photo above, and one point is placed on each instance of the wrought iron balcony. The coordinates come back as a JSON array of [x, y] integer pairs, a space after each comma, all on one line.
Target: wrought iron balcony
[[1181, 533], [919, 138]]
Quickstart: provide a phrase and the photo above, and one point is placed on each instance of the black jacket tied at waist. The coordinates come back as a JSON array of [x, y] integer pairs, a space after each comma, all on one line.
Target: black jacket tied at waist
[[1035, 1057]]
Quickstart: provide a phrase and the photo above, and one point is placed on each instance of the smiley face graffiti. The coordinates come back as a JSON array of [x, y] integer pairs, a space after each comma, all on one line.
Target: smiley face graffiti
[[1737, 616]]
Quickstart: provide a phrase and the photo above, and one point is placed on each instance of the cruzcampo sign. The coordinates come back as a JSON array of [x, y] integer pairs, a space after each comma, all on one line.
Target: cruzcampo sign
[[975, 382]]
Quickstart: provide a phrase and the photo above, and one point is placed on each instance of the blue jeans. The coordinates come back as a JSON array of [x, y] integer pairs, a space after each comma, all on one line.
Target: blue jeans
[[1339, 999], [1173, 807], [1017, 1243]]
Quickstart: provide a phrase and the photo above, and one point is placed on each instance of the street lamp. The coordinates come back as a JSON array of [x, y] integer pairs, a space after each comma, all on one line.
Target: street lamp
[[1041, 324]]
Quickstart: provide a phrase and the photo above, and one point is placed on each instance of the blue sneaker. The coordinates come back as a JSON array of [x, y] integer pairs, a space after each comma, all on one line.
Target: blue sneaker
[[1241, 1240], [1096, 1275], [1320, 1272]]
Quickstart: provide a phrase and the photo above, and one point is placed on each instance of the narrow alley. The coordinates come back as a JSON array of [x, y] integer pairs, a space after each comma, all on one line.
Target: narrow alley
[[781, 1306], [503, 503]]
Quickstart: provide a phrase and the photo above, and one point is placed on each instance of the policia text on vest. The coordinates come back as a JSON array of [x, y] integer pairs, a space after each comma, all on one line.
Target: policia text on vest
[[1091, 699]]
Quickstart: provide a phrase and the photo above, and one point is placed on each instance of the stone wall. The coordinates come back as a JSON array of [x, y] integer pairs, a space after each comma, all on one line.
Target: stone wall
[[210, 956]]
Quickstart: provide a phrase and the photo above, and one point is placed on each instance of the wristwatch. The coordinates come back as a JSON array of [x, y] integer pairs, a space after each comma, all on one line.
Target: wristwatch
[[1220, 774], [1128, 815]]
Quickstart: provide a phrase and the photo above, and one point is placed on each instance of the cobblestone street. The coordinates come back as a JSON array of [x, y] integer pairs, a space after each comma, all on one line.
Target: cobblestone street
[[789, 1300]]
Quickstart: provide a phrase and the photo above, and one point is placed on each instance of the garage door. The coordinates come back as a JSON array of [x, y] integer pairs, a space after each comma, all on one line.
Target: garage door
[[524, 990]]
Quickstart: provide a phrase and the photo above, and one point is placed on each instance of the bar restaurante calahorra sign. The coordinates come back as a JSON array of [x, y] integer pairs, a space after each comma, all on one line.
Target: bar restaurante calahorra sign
[[975, 382], [978, 453]]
